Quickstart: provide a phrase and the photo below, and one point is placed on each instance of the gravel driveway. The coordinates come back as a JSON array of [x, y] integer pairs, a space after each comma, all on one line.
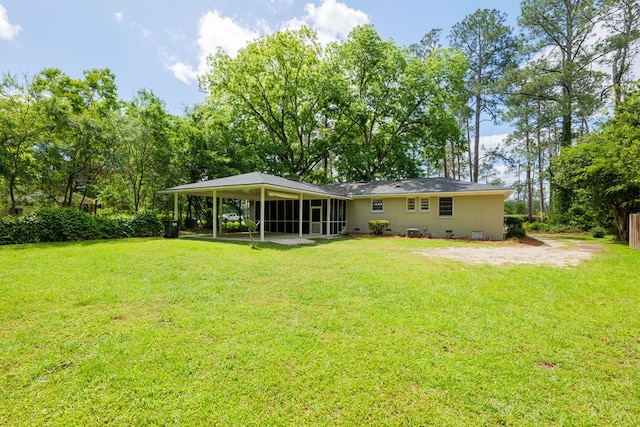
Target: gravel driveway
[[536, 251]]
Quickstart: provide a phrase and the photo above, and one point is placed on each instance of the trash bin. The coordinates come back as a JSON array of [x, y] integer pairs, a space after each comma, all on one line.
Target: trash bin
[[170, 228]]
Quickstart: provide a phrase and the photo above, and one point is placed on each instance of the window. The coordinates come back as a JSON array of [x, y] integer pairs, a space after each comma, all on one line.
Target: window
[[411, 204], [377, 205], [445, 207], [424, 204]]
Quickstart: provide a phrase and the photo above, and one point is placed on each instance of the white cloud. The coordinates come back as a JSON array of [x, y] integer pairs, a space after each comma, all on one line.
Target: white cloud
[[146, 33], [492, 141], [215, 32], [118, 16], [332, 20], [7, 30]]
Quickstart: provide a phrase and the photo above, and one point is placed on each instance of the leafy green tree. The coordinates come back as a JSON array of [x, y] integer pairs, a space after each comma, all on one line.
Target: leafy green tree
[[145, 147], [277, 86], [622, 20], [603, 170], [561, 33], [392, 106], [491, 50], [21, 115], [80, 117]]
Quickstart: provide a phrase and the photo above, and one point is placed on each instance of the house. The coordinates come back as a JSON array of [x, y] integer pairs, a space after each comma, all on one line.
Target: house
[[87, 204], [438, 207]]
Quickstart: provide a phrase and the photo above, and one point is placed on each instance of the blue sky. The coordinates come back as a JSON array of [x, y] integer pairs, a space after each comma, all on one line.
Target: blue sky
[[161, 45]]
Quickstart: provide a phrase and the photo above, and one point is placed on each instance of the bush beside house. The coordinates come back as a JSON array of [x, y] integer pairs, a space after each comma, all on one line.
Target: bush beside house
[[514, 225], [377, 226], [60, 225]]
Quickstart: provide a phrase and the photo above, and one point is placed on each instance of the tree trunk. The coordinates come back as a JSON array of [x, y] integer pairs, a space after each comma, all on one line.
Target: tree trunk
[[529, 183], [12, 186], [476, 142]]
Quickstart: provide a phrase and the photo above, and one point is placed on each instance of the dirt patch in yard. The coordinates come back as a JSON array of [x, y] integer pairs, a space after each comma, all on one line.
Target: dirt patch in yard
[[538, 251]]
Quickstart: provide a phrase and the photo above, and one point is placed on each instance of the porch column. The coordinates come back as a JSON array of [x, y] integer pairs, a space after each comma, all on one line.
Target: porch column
[[328, 217], [262, 214], [300, 216], [214, 214], [175, 206]]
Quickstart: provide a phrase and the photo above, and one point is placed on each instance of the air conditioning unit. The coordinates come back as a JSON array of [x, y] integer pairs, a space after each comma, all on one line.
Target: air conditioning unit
[[413, 232]]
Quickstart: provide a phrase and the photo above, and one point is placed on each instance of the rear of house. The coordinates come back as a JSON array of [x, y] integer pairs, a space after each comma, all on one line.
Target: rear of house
[[436, 207]]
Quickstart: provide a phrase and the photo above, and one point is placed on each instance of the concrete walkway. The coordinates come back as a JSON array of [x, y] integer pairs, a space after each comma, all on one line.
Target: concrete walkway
[[279, 238]]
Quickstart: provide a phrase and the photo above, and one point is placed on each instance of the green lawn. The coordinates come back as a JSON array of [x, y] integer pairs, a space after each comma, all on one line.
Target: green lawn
[[346, 332]]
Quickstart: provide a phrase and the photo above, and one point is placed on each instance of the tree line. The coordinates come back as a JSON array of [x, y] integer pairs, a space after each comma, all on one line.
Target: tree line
[[360, 109]]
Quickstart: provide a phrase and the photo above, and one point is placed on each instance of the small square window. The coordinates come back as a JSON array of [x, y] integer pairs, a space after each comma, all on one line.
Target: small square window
[[445, 208], [411, 204], [424, 204], [377, 205]]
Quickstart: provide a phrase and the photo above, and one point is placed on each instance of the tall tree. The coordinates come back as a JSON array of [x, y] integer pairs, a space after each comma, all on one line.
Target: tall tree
[[491, 50], [561, 32], [277, 84], [145, 147], [21, 116], [428, 44], [603, 170], [394, 106], [80, 120], [622, 20]]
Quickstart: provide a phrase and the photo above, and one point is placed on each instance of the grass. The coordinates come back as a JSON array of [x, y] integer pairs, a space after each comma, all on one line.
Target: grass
[[346, 332]]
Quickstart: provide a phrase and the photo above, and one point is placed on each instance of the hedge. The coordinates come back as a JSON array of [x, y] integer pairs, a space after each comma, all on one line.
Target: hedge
[[515, 227], [62, 225]]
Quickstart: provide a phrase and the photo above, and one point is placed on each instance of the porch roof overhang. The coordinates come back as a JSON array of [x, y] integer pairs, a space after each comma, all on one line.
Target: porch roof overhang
[[249, 187]]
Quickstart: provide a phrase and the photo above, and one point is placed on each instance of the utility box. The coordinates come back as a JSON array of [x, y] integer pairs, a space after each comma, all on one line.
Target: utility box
[[171, 229], [413, 232]]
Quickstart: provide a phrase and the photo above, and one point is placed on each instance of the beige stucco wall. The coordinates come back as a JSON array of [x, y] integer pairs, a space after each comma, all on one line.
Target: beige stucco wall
[[482, 213]]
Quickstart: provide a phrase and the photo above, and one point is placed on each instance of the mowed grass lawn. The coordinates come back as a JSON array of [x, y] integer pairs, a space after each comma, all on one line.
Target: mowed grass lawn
[[345, 332]]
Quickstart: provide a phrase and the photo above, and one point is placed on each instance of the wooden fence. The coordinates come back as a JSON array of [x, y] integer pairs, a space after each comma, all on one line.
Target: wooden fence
[[634, 231]]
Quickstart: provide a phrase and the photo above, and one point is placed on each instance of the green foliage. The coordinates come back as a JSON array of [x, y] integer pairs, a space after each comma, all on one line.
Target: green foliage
[[378, 226], [514, 225], [598, 232], [65, 224], [68, 224], [491, 51], [395, 109], [602, 170], [146, 223]]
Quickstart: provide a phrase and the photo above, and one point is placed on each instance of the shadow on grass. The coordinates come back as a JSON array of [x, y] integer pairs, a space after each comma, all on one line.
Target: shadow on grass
[[267, 245], [68, 243]]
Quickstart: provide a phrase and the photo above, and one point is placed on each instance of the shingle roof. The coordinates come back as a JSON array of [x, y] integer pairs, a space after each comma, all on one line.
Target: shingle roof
[[253, 178], [411, 186]]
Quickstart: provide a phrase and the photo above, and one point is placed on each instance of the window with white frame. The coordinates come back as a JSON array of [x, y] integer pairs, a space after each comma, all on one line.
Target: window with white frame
[[424, 204], [411, 204], [377, 205], [445, 206]]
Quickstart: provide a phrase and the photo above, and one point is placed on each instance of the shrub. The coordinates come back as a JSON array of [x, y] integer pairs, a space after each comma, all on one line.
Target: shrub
[[514, 225], [377, 226], [598, 232], [516, 233], [67, 224], [146, 224]]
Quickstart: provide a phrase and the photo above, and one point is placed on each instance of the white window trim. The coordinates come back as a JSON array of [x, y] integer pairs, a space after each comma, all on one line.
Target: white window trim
[[415, 201], [452, 207], [420, 204], [377, 211]]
